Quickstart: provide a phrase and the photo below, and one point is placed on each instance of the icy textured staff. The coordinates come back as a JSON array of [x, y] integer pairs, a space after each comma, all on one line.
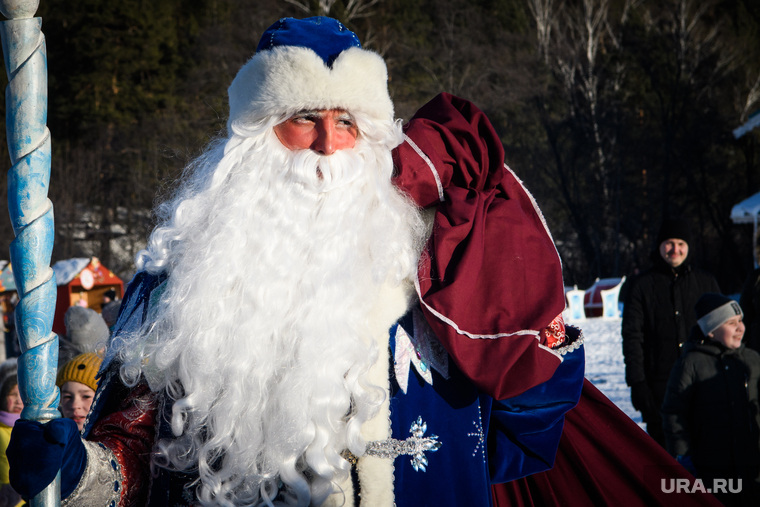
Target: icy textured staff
[[31, 214]]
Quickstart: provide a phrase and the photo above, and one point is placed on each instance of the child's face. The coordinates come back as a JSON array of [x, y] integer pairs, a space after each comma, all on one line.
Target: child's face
[[13, 402], [76, 399], [730, 333]]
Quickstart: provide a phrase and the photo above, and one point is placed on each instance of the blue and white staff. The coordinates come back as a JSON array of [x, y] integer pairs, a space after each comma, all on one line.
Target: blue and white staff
[[31, 214]]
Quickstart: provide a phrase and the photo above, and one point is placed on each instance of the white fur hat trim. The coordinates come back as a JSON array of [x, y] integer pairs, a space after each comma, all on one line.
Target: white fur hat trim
[[288, 79]]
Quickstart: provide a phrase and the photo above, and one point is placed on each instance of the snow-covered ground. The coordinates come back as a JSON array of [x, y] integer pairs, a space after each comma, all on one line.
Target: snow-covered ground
[[604, 361]]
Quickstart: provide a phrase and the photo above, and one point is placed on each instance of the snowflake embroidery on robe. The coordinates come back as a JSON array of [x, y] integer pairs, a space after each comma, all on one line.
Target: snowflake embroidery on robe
[[479, 434], [415, 446]]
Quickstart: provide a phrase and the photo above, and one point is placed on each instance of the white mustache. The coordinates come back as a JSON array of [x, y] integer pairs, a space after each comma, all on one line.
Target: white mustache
[[327, 172]]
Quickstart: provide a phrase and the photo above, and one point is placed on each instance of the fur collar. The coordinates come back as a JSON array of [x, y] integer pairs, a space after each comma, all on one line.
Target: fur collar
[[376, 474]]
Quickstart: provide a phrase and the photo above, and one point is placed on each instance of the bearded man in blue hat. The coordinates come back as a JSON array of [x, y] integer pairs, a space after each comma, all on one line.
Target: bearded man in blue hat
[[333, 310]]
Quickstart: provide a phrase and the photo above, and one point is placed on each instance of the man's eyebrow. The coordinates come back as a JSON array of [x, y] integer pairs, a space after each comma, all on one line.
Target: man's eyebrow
[[307, 112], [320, 112]]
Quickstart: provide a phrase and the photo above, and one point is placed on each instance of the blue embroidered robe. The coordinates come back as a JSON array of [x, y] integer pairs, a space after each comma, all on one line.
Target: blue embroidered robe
[[480, 440]]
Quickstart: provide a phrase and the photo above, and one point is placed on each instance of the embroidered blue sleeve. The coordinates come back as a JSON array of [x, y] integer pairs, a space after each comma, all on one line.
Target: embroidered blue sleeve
[[524, 431], [133, 311]]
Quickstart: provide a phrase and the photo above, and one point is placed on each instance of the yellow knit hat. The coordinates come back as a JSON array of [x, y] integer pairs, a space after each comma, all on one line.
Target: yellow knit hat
[[82, 369]]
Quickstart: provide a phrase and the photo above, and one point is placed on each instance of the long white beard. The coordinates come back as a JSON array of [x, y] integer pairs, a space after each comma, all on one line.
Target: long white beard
[[261, 336]]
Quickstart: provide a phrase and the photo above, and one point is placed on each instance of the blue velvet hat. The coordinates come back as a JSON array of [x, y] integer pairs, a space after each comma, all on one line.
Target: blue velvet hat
[[325, 36]]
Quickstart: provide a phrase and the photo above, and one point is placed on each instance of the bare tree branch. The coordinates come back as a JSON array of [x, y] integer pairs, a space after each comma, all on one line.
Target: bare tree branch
[[753, 96], [542, 11], [353, 9]]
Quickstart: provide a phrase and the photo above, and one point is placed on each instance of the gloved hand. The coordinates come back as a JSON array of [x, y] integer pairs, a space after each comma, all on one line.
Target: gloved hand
[[686, 462], [642, 398], [38, 451]]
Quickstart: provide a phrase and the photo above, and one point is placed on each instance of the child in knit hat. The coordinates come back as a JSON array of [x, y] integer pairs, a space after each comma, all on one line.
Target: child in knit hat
[[711, 413], [86, 331], [10, 410], [76, 379]]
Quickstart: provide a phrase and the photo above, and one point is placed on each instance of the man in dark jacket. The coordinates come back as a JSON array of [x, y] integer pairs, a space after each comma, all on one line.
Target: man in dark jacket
[[657, 318]]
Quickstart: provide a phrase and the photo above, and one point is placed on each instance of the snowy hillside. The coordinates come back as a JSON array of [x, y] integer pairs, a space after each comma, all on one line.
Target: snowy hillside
[[604, 361]]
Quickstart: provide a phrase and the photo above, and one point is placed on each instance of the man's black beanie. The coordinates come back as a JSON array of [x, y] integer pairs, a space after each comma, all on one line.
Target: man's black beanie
[[676, 228]]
